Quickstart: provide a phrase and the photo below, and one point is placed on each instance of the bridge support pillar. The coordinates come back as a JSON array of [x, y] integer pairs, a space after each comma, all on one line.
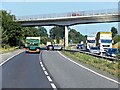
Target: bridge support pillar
[[66, 37]]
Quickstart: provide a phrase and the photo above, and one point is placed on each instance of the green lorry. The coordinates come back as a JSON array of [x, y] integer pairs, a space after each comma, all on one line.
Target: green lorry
[[32, 44]]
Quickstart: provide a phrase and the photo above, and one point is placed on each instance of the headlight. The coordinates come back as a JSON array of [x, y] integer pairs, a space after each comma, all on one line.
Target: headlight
[[37, 50], [113, 55]]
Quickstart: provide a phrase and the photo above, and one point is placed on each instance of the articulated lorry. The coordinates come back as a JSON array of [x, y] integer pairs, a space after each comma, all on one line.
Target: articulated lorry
[[104, 41], [32, 44], [90, 42]]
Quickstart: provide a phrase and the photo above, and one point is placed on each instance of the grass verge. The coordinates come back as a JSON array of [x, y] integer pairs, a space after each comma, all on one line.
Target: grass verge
[[3, 50], [112, 68]]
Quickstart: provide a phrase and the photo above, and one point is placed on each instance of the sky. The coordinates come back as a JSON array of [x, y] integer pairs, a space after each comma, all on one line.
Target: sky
[[37, 8]]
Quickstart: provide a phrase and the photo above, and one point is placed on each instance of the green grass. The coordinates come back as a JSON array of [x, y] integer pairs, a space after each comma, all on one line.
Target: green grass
[[5, 50], [102, 64]]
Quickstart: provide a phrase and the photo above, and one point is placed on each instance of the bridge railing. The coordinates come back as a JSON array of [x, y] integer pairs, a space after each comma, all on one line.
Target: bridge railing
[[69, 14]]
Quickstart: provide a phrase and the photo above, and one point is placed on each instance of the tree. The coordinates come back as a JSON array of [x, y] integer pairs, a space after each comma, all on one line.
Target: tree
[[11, 31], [116, 38], [114, 31], [75, 36], [34, 32], [57, 32], [42, 31], [43, 34]]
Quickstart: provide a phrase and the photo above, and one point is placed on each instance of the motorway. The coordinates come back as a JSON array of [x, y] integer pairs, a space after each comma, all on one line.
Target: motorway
[[25, 71]]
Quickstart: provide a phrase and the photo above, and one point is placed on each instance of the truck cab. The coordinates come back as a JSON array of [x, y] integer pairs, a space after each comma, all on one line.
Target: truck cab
[[90, 42], [104, 41], [32, 44]]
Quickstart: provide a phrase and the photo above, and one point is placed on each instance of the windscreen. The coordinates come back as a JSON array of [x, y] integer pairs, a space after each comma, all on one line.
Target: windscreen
[[94, 48], [32, 42], [91, 41], [106, 41], [113, 50]]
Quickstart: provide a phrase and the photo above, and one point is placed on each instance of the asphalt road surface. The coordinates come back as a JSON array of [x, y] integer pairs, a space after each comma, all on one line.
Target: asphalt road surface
[[69, 75], [24, 71]]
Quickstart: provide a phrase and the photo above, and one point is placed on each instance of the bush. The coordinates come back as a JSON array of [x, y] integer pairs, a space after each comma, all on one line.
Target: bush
[[5, 46], [118, 56]]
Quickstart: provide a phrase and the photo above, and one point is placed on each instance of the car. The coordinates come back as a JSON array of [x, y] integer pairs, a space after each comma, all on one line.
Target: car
[[83, 48], [50, 47], [94, 50], [112, 52], [57, 47], [79, 46]]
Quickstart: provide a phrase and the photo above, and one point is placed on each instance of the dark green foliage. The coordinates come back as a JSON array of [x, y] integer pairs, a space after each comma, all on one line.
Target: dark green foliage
[[75, 36], [114, 31], [13, 34], [57, 40], [118, 56], [11, 31], [58, 33], [42, 32], [44, 40], [116, 38], [34, 32]]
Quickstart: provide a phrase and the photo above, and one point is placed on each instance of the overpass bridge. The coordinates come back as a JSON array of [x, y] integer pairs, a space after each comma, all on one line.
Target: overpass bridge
[[70, 18]]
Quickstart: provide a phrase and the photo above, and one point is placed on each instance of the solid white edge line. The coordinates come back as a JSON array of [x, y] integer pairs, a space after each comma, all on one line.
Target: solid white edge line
[[90, 69], [49, 78], [9, 58], [53, 86]]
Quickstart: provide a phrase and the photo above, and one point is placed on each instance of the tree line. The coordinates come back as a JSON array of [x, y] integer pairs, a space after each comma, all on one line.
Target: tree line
[[13, 34]]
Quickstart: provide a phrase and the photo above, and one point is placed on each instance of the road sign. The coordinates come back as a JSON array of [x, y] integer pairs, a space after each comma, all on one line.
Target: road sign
[[71, 42]]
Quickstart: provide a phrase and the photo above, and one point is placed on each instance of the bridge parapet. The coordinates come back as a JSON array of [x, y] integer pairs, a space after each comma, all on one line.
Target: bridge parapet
[[69, 14]]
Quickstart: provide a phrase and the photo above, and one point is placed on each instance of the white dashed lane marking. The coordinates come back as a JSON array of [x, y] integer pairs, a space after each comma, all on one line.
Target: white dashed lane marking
[[40, 63], [43, 68], [53, 86], [47, 75], [49, 78]]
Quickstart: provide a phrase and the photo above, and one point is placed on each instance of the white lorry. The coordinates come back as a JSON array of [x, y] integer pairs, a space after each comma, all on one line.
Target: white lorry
[[104, 41], [48, 43], [90, 42]]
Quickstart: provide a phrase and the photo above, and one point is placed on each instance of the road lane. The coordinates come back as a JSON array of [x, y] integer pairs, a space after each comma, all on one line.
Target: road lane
[[68, 75], [24, 71], [5, 56]]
